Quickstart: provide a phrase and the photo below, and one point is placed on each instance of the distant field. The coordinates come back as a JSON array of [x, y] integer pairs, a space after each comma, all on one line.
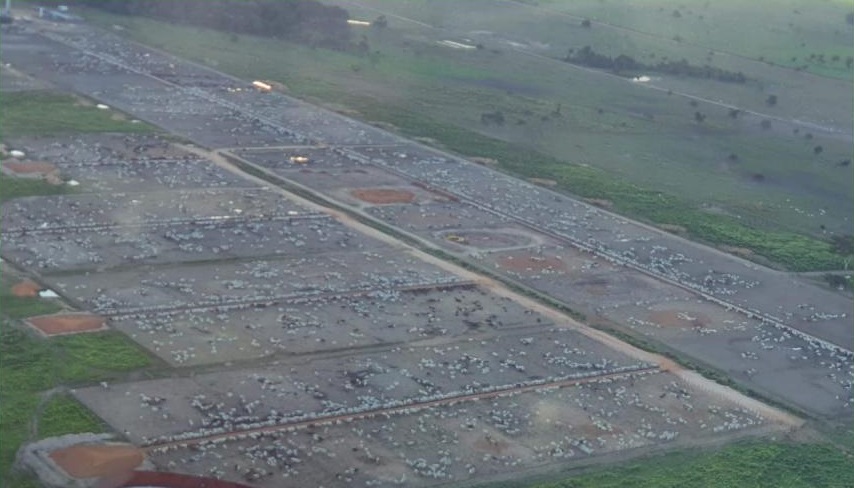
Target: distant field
[[725, 180], [788, 33], [749, 465]]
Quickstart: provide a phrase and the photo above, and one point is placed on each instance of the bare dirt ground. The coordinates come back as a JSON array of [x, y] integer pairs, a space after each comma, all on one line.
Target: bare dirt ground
[[531, 264], [383, 196], [29, 169], [72, 323], [95, 461], [26, 289], [675, 318]]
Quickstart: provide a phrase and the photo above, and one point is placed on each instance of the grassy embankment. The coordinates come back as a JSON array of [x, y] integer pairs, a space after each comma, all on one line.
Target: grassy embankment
[[33, 370], [743, 465], [414, 91]]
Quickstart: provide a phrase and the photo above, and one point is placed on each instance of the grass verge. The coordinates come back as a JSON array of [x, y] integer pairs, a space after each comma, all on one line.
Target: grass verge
[[11, 187], [744, 465], [49, 113]]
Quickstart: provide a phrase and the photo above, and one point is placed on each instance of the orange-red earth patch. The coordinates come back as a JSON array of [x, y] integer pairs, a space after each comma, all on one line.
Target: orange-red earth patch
[[381, 196], [26, 289], [96, 461], [70, 323]]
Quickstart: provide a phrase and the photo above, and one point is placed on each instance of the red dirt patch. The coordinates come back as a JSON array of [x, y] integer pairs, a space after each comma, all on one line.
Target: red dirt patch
[[673, 318], [528, 264], [94, 461], [167, 480], [70, 323], [32, 168], [26, 288], [382, 196]]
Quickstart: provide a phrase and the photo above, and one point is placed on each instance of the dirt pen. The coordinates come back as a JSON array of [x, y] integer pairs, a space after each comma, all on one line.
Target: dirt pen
[[531, 264], [96, 461], [383, 196], [69, 323], [26, 289]]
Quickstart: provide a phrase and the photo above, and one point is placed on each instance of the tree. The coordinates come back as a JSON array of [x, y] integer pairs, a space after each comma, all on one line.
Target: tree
[[733, 113], [585, 23], [817, 150], [771, 100], [765, 124], [699, 117]]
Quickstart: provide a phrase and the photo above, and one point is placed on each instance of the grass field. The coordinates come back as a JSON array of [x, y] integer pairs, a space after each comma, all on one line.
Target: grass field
[[48, 113], [638, 148], [747, 465]]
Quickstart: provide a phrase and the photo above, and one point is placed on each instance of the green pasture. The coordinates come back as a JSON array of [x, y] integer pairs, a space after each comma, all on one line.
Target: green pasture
[[48, 113], [744, 465]]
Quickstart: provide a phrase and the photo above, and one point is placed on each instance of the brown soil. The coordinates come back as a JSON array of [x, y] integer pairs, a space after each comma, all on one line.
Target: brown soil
[[33, 168], [674, 318], [542, 182], [676, 229], [166, 480], [26, 288], [94, 461], [600, 202], [382, 196], [741, 252], [484, 161], [528, 264], [70, 323]]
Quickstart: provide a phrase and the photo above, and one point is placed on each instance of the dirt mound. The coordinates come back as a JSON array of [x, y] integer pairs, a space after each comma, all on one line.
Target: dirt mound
[[600, 202], [676, 229], [528, 264], [96, 461], [673, 318], [70, 323], [542, 181], [484, 161], [382, 196], [741, 252], [26, 288]]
